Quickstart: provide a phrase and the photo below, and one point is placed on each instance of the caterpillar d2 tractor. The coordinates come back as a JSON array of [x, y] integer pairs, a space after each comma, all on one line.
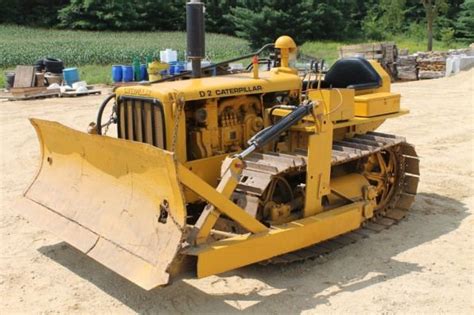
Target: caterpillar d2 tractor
[[212, 173]]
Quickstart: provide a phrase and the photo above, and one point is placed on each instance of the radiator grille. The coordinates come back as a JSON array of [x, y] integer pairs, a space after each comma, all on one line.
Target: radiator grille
[[142, 120]]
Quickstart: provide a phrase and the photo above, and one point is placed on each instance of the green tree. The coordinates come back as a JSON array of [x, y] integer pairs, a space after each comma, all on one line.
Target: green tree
[[216, 21], [432, 9], [327, 20], [386, 18], [31, 12], [465, 24], [100, 15], [372, 26], [353, 12], [261, 22], [393, 18], [166, 15]]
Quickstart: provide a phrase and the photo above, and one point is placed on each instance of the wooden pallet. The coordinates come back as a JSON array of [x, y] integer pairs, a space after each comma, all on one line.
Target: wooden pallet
[[27, 91], [75, 94], [46, 94]]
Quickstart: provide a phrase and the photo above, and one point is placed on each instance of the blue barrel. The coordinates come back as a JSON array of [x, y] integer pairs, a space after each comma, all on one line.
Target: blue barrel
[[117, 73], [179, 67], [143, 73], [71, 75], [127, 73], [172, 67]]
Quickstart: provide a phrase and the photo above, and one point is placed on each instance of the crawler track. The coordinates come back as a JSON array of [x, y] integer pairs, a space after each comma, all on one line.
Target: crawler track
[[261, 168]]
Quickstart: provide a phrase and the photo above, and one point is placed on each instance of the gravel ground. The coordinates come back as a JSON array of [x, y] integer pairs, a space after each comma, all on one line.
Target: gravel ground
[[423, 265]]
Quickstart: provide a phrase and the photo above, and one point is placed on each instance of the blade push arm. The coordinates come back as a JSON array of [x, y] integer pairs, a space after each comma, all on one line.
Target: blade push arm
[[231, 177]]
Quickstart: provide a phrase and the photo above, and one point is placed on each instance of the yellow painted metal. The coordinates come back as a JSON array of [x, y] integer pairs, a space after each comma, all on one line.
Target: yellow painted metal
[[208, 169], [117, 201], [386, 80], [233, 169], [287, 46], [356, 121], [285, 42], [348, 187], [376, 104], [223, 204], [277, 79], [339, 103], [318, 166], [243, 250]]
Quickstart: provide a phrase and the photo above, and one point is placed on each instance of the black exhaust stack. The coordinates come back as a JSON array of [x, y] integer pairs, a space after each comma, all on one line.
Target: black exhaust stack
[[195, 35]]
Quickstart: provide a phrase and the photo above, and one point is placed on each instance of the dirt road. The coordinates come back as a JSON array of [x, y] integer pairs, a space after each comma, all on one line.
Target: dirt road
[[424, 264]]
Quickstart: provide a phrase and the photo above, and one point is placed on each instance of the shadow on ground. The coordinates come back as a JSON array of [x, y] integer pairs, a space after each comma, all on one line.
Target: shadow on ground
[[429, 210]]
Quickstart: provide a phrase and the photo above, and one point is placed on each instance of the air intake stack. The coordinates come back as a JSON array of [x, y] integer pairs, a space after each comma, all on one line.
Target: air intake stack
[[195, 35]]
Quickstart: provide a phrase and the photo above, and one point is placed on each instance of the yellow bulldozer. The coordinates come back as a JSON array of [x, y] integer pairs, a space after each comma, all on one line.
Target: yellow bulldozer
[[212, 173]]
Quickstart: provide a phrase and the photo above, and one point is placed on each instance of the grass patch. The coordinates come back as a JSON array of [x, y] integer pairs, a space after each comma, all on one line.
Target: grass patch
[[24, 45], [329, 50], [96, 74], [414, 45]]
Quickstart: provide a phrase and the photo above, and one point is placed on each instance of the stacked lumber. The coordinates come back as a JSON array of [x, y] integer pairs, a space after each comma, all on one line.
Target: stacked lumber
[[369, 51], [407, 68], [390, 52], [431, 65], [386, 53]]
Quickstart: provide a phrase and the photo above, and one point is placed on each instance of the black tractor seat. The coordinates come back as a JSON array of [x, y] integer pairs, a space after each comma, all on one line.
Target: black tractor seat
[[352, 73]]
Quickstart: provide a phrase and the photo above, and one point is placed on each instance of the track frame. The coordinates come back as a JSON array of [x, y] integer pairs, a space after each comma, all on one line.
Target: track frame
[[295, 241]]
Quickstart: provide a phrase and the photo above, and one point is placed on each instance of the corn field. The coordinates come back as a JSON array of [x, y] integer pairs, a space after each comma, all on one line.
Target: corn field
[[23, 45]]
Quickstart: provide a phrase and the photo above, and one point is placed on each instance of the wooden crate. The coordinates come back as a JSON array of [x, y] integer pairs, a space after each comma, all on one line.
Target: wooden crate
[[24, 77]]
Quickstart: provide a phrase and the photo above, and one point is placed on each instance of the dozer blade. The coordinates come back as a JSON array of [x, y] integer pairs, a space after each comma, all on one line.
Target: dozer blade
[[117, 201]]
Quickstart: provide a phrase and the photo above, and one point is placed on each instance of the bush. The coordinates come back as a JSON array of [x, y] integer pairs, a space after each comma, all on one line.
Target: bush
[[465, 24], [417, 30], [372, 27], [386, 18], [447, 36]]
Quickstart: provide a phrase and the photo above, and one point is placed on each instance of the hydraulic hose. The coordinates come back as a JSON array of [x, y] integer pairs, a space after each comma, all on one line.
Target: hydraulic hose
[[270, 114], [100, 113], [272, 132]]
